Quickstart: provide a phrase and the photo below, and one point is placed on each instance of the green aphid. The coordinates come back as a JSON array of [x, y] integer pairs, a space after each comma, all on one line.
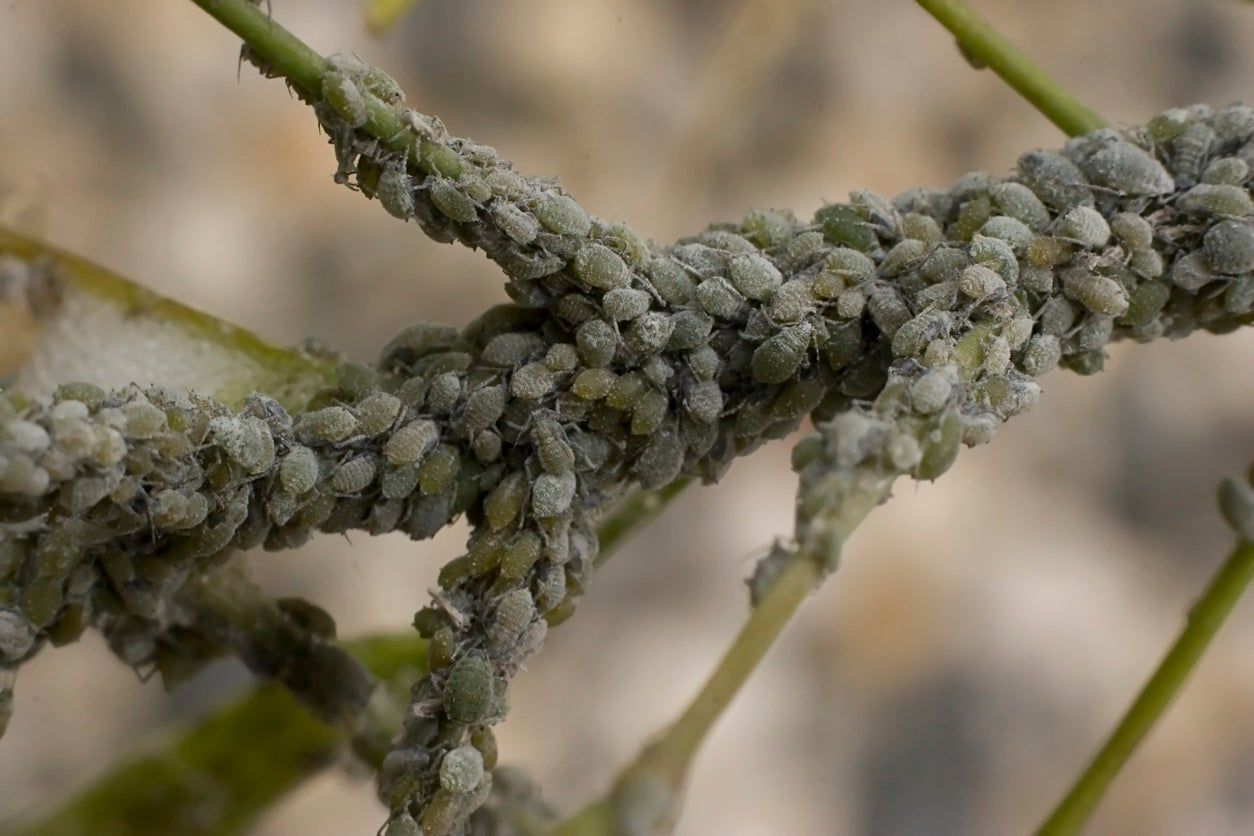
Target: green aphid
[[484, 407], [940, 447], [452, 201], [779, 358], [599, 267], [503, 504], [439, 469], [561, 214], [469, 692]]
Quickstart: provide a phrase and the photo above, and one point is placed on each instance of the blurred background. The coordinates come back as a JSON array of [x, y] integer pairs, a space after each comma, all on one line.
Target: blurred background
[[984, 633]]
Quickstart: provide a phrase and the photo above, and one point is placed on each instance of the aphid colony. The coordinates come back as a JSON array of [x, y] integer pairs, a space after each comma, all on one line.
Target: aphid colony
[[912, 326]]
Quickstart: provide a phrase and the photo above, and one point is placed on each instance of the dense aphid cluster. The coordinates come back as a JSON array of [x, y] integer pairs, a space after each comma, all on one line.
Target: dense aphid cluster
[[912, 326]]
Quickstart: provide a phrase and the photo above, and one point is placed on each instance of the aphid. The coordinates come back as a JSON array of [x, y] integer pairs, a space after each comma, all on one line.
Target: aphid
[[972, 215], [1085, 226], [395, 191], [888, 310], [532, 382], [486, 446], [521, 226], [979, 282], [1223, 200], [718, 298], [520, 554], [649, 333], [671, 281], [844, 345], [552, 449], [1019, 202], [690, 330], [1042, 355], [996, 356], [597, 343], [754, 276], [768, 229], [1054, 179], [1229, 247], [1004, 228], [1100, 294], [940, 447], [1239, 296], [484, 407], [377, 413], [411, 442], [915, 335], [904, 452], [1132, 230], [461, 770], [623, 303], [844, 225], [648, 412], [995, 254], [439, 469], [560, 214], [850, 304], [704, 401], [340, 91], [551, 494], [143, 420], [849, 264], [330, 424], [1231, 170], [550, 588], [1056, 316], [469, 691], [906, 255], [28, 437], [1233, 124], [561, 357], [778, 359], [597, 266], [921, 227], [1128, 170], [17, 636], [1190, 150], [944, 264], [512, 348], [704, 362], [1145, 301], [514, 613], [1192, 271], [661, 460], [353, 476], [452, 201], [108, 447], [1018, 331]]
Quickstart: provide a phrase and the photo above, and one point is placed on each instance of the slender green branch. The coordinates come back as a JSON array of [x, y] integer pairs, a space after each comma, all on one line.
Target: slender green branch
[[632, 514], [647, 791], [1204, 620], [981, 42], [220, 774], [283, 54]]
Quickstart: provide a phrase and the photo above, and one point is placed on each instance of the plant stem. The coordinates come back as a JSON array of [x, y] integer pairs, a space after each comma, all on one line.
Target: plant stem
[[662, 767], [1204, 620], [982, 42], [288, 56], [633, 513], [222, 772]]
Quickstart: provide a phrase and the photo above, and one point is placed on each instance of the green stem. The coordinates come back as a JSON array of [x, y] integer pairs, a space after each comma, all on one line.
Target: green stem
[[286, 55], [657, 776], [220, 774], [632, 514], [980, 41], [1204, 621]]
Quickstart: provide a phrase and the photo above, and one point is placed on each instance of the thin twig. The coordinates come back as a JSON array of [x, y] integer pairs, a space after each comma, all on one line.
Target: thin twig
[[1204, 620], [650, 787], [984, 44]]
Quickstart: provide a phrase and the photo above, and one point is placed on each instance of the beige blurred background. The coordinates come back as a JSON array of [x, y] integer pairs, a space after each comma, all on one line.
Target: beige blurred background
[[985, 631]]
